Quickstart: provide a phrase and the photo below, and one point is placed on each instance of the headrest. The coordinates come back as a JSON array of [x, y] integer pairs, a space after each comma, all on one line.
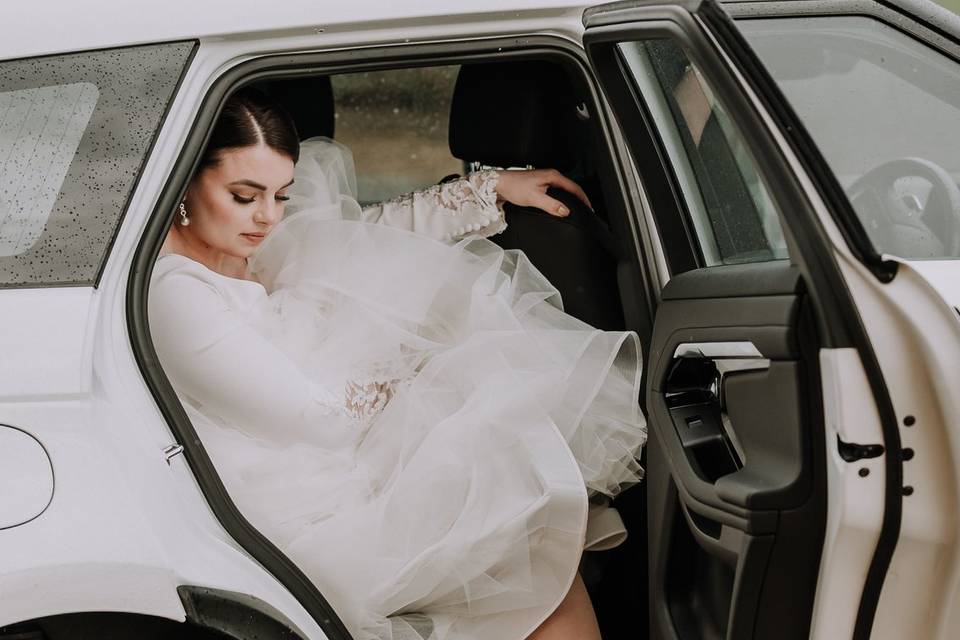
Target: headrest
[[513, 114], [309, 101]]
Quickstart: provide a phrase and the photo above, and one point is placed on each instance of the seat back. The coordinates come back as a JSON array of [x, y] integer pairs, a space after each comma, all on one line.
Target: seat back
[[309, 101], [520, 114]]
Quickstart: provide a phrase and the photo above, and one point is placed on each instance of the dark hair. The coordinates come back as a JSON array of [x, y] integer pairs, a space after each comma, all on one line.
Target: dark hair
[[250, 117]]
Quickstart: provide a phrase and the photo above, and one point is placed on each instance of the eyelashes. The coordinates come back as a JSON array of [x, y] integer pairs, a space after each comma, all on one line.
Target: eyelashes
[[242, 200]]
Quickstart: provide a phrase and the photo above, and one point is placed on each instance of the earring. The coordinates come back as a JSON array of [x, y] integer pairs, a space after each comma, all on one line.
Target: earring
[[184, 220]]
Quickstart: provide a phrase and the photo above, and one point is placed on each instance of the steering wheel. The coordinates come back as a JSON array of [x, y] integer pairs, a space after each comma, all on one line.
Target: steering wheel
[[898, 223]]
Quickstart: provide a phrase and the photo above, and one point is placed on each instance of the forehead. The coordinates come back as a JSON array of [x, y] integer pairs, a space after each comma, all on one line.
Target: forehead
[[259, 163]]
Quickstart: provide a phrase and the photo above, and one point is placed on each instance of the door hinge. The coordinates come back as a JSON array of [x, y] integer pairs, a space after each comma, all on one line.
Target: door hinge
[[851, 451]]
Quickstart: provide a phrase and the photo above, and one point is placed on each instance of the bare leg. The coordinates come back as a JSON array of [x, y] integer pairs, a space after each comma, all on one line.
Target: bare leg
[[574, 619]]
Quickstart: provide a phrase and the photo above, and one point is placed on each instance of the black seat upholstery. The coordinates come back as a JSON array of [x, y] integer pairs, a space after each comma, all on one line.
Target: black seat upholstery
[[520, 114], [309, 101]]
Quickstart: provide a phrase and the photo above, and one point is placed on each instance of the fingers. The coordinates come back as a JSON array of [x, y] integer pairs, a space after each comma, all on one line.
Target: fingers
[[557, 179], [551, 205]]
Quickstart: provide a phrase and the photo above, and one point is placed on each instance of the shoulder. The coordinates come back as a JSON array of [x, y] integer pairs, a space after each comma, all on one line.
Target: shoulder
[[183, 285], [174, 266], [179, 282]]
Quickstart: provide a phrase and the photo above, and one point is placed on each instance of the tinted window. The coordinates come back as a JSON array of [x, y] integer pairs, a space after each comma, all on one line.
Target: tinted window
[[396, 124], [884, 109], [731, 212], [74, 133]]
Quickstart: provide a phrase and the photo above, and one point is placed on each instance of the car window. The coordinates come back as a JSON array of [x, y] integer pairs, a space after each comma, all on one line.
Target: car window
[[884, 110], [731, 212], [396, 123], [74, 132]]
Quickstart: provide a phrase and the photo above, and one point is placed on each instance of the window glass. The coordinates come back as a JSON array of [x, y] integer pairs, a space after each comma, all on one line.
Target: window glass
[[732, 214], [396, 124], [884, 110], [74, 133]]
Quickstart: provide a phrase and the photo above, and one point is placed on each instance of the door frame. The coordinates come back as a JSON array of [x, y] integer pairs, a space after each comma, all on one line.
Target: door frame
[[292, 64]]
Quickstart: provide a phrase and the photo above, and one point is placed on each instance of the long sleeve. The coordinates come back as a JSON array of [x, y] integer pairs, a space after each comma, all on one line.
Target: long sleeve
[[226, 368], [467, 207]]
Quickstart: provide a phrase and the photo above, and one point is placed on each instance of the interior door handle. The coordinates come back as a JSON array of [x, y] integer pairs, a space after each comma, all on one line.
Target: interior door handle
[[727, 357], [697, 404], [739, 350]]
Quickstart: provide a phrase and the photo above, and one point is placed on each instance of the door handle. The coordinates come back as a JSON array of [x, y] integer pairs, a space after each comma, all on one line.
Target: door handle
[[743, 349], [697, 404], [727, 357]]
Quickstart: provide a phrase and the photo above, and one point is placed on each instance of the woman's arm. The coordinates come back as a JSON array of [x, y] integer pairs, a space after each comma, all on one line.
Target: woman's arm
[[472, 206], [448, 211], [226, 368]]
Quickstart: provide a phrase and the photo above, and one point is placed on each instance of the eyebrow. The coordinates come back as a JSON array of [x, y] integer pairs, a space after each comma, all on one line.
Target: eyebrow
[[256, 185]]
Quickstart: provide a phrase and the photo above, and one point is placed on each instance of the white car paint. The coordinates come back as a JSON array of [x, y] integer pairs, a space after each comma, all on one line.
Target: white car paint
[[855, 505], [26, 477]]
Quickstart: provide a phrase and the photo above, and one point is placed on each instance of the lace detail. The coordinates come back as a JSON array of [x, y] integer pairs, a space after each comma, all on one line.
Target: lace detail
[[363, 400], [449, 211], [450, 197]]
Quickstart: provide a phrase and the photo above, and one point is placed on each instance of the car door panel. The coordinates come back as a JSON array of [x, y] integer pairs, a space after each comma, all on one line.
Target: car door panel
[[727, 519], [762, 402]]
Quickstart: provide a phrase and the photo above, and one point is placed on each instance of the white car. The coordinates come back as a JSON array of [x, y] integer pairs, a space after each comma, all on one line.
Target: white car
[[777, 215]]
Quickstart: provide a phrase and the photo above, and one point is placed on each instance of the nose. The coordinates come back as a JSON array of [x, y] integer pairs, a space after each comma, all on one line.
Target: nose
[[269, 212]]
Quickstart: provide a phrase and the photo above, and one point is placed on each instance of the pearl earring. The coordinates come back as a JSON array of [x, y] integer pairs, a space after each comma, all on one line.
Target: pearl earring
[[184, 220]]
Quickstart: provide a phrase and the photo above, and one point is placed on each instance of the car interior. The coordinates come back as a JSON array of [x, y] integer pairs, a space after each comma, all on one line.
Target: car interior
[[538, 117]]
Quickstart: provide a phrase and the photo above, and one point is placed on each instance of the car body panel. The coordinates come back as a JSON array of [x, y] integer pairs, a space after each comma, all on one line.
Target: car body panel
[[919, 348], [855, 507], [45, 343], [26, 476]]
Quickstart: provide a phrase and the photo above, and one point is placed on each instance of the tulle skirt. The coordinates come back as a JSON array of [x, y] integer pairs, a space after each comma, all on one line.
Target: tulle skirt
[[459, 507]]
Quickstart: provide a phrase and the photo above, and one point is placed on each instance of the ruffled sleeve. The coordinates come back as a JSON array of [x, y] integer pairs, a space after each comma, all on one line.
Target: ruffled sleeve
[[463, 208]]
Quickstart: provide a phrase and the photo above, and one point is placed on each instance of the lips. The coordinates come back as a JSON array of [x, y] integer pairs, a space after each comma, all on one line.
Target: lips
[[254, 237]]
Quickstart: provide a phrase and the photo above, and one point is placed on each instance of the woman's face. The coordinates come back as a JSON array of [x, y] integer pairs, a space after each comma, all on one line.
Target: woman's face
[[233, 205]]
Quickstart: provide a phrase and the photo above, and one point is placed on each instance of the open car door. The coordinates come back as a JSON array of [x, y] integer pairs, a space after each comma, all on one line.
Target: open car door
[[773, 469]]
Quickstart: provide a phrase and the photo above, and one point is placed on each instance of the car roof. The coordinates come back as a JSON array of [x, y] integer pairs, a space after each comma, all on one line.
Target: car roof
[[37, 27]]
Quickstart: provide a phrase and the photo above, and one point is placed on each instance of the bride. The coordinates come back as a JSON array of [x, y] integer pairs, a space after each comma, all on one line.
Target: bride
[[397, 403]]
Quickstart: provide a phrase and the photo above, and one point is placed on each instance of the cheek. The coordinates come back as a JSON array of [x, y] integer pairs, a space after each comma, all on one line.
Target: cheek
[[225, 217]]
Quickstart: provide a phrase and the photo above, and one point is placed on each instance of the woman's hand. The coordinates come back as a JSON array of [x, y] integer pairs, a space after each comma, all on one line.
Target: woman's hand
[[529, 189]]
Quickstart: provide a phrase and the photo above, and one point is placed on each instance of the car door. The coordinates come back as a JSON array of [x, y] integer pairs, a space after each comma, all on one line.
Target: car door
[[768, 411]]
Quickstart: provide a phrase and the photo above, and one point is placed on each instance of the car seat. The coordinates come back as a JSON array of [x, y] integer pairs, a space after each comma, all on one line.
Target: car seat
[[524, 114]]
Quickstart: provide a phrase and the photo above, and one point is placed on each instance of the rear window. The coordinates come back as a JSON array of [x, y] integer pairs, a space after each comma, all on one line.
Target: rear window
[[395, 123], [74, 133]]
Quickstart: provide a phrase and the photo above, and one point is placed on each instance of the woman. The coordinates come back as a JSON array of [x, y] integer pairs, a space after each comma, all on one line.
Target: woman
[[397, 403]]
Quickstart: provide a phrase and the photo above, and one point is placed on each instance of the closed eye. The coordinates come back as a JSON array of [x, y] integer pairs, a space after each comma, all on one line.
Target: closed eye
[[243, 200], [282, 198]]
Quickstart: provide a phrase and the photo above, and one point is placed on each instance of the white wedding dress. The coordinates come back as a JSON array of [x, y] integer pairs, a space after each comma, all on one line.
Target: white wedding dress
[[403, 407]]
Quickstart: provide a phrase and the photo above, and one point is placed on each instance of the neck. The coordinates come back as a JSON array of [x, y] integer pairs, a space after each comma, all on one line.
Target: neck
[[185, 243]]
